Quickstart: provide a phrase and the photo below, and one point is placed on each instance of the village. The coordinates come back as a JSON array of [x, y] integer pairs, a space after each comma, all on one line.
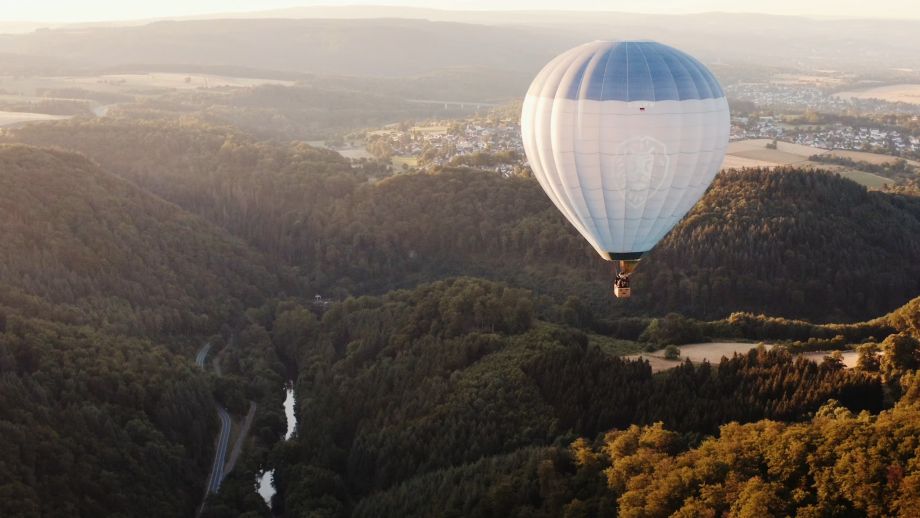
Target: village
[[494, 144], [830, 136]]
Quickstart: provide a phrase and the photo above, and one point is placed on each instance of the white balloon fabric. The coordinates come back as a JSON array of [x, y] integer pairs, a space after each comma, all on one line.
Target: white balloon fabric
[[625, 137]]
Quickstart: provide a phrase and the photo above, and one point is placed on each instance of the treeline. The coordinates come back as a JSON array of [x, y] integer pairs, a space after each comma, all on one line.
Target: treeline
[[898, 168], [431, 379]]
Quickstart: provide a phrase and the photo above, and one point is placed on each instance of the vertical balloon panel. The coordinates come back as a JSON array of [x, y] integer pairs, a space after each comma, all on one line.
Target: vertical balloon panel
[[624, 137]]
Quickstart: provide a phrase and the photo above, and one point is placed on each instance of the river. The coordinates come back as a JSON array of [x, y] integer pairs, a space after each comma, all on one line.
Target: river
[[265, 480]]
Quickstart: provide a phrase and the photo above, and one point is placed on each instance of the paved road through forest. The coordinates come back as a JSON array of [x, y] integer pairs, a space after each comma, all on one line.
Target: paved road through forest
[[223, 441]]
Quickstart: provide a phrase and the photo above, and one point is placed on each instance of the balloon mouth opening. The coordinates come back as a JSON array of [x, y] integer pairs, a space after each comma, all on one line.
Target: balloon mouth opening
[[626, 256], [625, 263], [627, 267]]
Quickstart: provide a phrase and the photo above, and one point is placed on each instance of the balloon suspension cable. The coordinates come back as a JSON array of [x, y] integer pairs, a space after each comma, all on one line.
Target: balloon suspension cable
[[626, 268]]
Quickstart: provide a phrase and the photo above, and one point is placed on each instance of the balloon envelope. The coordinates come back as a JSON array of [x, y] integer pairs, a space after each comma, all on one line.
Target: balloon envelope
[[625, 137]]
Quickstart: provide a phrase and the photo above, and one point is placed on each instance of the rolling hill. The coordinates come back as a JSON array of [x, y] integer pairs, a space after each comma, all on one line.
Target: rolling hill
[[92, 248], [785, 242], [102, 286], [330, 40], [461, 380], [401, 47]]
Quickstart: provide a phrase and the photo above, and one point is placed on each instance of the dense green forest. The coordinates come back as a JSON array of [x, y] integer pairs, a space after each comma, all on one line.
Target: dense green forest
[[103, 290], [838, 464], [456, 371], [459, 397], [792, 243], [98, 425], [91, 248]]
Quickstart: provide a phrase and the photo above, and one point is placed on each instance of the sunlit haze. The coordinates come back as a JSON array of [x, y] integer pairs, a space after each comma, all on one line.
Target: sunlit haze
[[62, 11], [465, 258]]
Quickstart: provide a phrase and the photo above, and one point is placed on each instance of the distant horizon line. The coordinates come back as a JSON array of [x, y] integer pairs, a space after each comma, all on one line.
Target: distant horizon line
[[266, 14]]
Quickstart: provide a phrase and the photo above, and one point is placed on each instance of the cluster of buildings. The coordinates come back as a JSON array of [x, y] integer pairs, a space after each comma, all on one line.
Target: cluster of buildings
[[828, 136], [802, 97], [490, 144], [840, 136], [494, 143]]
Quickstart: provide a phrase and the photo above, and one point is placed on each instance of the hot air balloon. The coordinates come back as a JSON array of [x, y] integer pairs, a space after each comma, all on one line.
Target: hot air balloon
[[624, 137]]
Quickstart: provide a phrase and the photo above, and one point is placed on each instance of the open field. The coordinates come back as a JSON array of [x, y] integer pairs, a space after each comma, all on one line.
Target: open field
[[615, 346], [12, 118], [174, 80], [26, 86], [849, 357], [905, 93], [870, 180], [819, 78], [430, 130], [409, 161], [737, 162], [714, 351], [754, 153], [743, 146], [698, 353], [354, 153]]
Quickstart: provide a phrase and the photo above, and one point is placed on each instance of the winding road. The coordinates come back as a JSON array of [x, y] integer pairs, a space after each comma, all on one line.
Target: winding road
[[223, 439]]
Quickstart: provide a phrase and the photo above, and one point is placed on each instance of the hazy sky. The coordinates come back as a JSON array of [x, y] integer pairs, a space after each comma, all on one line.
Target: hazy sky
[[93, 10]]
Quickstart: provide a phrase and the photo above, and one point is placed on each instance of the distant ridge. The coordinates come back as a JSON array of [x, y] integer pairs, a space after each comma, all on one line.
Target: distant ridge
[[415, 40]]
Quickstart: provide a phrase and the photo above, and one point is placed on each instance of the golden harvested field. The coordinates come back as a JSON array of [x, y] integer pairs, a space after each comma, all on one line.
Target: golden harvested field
[[905, 93], [742, 146], [774, 156], [11, 118], [872, 181], [849, 357], [698, 353], [737, 162], [713, 353], [754, 153]]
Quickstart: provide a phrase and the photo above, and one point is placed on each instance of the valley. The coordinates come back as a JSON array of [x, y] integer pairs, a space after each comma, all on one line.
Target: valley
[[299, 263]]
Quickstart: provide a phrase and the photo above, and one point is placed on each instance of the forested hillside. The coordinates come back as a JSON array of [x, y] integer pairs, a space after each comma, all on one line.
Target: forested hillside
[[98, 425], [483, 384], [789, 242], [419, 332], [103, 289], [84, 247], [838, 464], [417, 387]]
